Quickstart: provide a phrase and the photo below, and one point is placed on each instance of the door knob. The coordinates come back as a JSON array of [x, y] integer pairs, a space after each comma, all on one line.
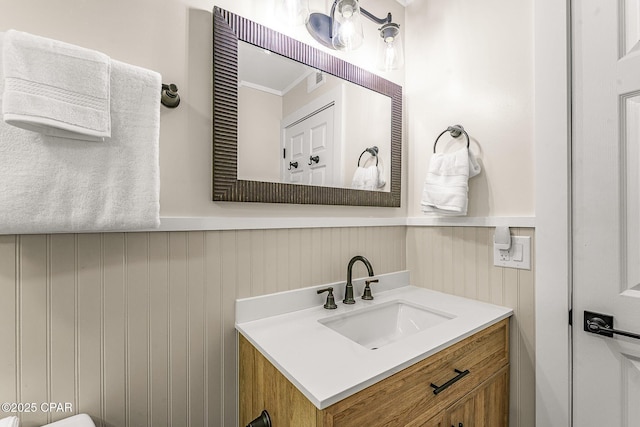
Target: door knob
[[293, 164], [313, 159], [602, 324]]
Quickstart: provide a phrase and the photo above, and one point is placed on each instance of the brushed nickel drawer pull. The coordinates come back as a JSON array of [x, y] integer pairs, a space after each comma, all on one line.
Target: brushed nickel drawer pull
[[437, 389]]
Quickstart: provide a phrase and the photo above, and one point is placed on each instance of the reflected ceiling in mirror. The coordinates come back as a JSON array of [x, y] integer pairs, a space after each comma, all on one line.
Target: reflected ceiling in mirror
[[292, 124]]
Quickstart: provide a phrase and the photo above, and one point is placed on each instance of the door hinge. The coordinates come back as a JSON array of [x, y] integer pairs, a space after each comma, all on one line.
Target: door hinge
[[570, 317], [284, 153]]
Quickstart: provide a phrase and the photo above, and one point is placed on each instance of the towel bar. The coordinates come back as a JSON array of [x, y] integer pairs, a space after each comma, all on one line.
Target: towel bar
[[169, 96], [455, 132]]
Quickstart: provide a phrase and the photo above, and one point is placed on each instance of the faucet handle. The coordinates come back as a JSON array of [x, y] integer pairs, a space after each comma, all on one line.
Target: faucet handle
[[367, 290], [331, 301]]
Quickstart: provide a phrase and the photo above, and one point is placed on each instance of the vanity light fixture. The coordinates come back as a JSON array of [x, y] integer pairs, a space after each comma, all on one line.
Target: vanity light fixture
[[342, 30], [292, 12]]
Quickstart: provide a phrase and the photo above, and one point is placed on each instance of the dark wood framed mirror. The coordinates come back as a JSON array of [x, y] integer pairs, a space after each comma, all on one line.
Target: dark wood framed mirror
[[229, 30]]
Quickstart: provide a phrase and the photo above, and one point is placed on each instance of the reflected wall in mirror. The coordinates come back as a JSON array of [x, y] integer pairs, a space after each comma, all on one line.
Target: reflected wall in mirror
[[291, 124], [300, 125]]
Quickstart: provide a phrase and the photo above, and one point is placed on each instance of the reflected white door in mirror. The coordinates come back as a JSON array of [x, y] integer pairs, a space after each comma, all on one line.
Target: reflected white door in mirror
[[309, 148]]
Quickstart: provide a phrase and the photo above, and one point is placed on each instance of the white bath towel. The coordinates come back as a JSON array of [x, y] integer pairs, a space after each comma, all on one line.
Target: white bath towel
[[50, 184], [365, 178], [55, 88], [446, 186]]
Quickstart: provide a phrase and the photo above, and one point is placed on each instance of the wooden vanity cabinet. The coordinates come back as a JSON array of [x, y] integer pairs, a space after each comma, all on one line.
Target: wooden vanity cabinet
[[486, 406], [477, 399]]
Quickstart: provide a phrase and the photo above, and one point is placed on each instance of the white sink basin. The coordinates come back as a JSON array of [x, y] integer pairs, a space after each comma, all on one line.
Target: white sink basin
[[382, 324]]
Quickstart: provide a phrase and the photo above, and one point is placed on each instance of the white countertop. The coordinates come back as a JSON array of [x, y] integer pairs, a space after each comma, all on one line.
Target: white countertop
[[328, 367]]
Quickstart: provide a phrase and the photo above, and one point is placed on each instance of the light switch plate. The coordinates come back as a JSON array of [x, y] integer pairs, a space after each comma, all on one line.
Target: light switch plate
[[519, 255]]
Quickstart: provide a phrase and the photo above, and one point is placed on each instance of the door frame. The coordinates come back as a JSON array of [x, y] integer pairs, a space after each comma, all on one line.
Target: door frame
[[552, 124]]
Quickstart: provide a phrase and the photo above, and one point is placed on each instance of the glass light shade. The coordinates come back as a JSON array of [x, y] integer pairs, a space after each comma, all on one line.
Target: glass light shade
[[390, 51], [292, 12], [346, 29]]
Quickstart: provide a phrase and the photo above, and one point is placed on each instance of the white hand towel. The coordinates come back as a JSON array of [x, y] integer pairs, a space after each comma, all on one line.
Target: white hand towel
[[365, 178], [55, 88], [52, 184], [446, 186], [381, 181]]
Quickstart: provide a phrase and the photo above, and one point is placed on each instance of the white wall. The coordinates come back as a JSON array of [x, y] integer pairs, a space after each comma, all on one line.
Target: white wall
[[470, 62], [259, 144], [174, 37]]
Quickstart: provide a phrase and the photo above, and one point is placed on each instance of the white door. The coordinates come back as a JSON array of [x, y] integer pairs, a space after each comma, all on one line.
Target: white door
[[606, 210], [294, 158], [309, 149]]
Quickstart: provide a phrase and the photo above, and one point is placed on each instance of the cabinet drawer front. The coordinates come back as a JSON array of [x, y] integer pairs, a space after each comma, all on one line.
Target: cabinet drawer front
[[407, 398]]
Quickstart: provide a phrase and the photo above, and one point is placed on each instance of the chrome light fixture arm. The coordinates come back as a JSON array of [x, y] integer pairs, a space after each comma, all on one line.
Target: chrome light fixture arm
[[386, 20], [320, 25]]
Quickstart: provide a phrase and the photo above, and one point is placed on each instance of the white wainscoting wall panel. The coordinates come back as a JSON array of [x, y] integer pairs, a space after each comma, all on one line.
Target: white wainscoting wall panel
[[137, 329]]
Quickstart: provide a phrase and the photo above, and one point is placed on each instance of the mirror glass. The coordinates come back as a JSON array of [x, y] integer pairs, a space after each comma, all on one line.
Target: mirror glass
[[300, 125], [292, 123]]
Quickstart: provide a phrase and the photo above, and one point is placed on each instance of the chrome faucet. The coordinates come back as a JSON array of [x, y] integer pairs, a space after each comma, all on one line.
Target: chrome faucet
[[348, 291]]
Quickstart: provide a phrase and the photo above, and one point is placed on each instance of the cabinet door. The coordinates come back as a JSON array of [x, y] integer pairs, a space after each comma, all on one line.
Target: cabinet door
[[262, 386], [486, 406], [491, 406], [462, 413]]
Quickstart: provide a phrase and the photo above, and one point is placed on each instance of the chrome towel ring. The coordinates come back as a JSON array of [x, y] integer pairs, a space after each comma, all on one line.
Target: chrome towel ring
[[455, 132], [373, 151]]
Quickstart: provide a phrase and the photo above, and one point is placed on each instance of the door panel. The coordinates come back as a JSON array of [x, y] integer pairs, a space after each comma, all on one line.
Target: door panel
[[294, 145], [606, 209], [307, 138], [320, 172]]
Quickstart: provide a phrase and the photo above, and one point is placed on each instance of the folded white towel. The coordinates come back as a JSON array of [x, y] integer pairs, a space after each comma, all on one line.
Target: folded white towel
[[10, 422], [365, 178], [446, 186], [52, 184], [55, 88], [80, 419]]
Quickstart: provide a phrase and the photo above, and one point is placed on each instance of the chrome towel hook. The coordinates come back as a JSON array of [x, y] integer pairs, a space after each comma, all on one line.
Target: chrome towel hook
[[455, 132]]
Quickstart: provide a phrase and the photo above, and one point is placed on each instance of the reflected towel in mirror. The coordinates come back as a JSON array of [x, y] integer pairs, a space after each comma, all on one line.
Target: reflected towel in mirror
[[366, 178]]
